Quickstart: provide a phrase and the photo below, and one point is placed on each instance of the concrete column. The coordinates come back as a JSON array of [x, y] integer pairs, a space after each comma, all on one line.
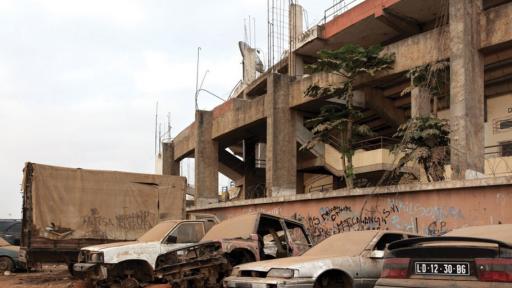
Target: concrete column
[[420, 102], [300, 183], [295, 63], [206, 160], [250, 178], [281, 154], [169, 165], [466, 88]]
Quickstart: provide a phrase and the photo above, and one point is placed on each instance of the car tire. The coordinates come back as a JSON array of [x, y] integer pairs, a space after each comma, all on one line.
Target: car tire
[[331, 280], [6, 264]]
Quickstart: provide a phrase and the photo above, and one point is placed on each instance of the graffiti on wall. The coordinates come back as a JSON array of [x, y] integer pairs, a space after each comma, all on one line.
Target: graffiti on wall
[[396, 215], [98, 225], [343, 218]]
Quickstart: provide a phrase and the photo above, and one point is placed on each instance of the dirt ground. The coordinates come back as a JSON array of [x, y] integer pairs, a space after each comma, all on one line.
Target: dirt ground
[[48, 276]]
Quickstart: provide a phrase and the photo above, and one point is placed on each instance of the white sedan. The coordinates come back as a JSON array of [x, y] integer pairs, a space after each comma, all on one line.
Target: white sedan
[[351, 259]]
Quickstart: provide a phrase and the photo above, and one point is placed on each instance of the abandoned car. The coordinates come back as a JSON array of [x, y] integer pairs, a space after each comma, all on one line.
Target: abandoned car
[[9, 257], [10, 230], [351, 259], [134, 261], [242, 239], [458, 259]]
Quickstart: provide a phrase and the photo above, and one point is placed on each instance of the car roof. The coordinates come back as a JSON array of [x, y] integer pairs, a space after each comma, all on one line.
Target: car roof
[[357, 242], [500, 232], [241, 226], [237, 227]]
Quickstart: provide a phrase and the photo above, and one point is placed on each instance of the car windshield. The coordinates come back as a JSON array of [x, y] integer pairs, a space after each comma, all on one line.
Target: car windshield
[[343, 244], [158, 232]]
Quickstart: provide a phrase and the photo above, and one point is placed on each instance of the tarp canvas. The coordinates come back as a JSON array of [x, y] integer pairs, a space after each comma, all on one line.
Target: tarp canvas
[[90, 204]]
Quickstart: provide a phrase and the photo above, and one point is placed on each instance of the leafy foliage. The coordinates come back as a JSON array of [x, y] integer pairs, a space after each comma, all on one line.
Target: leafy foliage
[[435, 77], [425, 140], [352, 60], [331, 121], [338, 121]]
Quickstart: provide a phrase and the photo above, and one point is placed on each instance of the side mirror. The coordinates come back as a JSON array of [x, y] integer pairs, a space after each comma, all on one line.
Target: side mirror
[[377, 254], [171, 239]]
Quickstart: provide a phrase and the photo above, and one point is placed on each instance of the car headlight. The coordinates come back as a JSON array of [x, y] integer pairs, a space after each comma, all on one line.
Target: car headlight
[[281, 273], [96, 257]]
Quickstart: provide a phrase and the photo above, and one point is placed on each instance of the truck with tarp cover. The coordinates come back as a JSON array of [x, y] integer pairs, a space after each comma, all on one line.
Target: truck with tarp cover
[[65, 209]]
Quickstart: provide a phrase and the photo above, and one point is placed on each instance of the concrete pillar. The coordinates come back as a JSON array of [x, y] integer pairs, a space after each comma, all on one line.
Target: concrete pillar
[[250, 177], [420, 102], [295, 63], [281, 154], [169, 165], [300, 183], [466, 88], [206, 160]]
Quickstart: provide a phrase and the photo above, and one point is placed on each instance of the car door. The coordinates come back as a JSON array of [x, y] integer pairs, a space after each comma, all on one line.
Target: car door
[[298, 241], [183, 234], [372, 259]]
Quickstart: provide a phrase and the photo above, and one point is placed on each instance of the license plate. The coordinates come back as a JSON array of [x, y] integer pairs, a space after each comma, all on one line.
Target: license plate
[[442, 268]]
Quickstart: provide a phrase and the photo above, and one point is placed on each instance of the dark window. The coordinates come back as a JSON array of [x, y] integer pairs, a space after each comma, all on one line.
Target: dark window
[[15, 228], [5, 225], [506, 124], [190, 232], [506, 149], [386, 239]]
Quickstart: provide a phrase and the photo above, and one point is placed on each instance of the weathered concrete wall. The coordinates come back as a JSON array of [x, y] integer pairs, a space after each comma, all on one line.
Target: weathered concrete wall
[[281, 148], [206, 160], [466, 88], [185, 142], [427, 208], [237, 113], [169, 165]]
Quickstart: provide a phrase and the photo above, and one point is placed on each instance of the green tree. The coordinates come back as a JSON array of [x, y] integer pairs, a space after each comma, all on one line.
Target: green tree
[[350, 61], [425, 140]]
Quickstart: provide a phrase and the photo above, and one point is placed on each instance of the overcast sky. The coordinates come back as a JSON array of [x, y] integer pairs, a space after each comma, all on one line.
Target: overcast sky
[[79, 79]]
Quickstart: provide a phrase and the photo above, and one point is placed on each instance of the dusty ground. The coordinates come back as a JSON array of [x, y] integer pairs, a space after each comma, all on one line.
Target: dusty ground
[[49, 276]]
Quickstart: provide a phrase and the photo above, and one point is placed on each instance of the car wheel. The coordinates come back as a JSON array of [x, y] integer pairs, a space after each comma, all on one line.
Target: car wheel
[[330, 280], [6, 264], [130, 283]]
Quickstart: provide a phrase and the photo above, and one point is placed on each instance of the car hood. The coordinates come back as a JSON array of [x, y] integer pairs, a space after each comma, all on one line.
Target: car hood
[[307, 266], [112, 245], [12, 248], [118, 252], [11, 251]]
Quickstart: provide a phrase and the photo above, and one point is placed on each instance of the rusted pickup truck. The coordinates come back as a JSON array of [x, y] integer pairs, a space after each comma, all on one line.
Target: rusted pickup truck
[[242, 239]]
